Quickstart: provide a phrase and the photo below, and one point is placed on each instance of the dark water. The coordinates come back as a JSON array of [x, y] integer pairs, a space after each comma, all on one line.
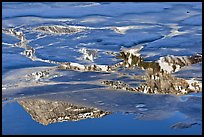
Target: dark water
[[51, 86]]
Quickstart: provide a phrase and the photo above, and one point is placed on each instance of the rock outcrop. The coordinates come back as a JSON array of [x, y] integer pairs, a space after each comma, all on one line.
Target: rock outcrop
[[47, 111], [57, 29], [158, 74]]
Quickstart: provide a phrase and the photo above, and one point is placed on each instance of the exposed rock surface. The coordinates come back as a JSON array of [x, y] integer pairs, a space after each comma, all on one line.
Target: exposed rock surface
[[158, 77], [47, 112], [158, 74], [57, 29]]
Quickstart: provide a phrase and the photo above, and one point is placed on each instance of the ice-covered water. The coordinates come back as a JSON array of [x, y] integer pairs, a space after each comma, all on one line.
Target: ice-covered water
[[136, 63]]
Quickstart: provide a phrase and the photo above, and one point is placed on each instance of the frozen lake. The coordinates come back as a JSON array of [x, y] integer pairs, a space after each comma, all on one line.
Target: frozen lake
[[102, 68]]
